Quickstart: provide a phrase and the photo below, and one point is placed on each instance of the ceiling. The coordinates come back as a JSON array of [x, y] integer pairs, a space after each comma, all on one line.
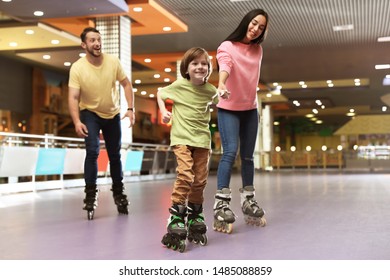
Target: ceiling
[[301, 45]]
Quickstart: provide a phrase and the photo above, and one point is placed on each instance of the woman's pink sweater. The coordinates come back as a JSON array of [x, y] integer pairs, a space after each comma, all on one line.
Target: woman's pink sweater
[[242, 62]]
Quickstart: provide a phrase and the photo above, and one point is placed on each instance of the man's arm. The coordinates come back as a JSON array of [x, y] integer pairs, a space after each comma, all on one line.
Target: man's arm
[[129, 95], [74, 111]]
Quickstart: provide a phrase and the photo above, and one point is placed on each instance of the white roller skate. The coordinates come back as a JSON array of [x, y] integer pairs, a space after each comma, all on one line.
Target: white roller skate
[[253, 213], [223, 215]]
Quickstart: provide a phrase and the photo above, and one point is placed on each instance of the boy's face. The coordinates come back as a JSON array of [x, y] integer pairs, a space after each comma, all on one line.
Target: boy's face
[[198, 70]]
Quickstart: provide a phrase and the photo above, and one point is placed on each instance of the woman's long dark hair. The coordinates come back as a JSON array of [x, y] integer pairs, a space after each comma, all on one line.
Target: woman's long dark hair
[[240, 32]]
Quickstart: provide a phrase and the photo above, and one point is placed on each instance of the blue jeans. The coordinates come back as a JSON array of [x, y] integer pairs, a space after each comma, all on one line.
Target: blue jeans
[[112, 134], [238, 129]]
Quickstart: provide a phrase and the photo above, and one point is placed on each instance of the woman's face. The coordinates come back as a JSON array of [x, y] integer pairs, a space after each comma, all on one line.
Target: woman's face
[[255, 28]]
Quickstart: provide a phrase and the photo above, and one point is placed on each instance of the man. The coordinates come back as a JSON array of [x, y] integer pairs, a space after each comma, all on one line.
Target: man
[[94, 105]]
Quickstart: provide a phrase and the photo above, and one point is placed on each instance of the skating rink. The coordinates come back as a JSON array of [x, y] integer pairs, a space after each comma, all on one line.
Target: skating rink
[[311, 215]]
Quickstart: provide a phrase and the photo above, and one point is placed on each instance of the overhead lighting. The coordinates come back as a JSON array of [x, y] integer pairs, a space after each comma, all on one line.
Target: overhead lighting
[[67, 64], [46, 56], [384, 39], [156, 76], [137, 9], [13, 44], [342, 27], [147, 60], [167, 70], [29, 32], [167, 80], [55, 42], [382, 66], [38, 13], [167, 28], [137, 81]]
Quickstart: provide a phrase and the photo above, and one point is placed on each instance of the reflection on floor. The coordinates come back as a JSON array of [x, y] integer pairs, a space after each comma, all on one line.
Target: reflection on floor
[[311, 215]]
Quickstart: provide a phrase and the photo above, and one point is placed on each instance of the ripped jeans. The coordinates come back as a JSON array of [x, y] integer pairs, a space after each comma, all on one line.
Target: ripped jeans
[[238, 129]]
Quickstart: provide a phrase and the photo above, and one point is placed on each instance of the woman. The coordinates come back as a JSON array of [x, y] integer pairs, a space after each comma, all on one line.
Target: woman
[[239, 59]]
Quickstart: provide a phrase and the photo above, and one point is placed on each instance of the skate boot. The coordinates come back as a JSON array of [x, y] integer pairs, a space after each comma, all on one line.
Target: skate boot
[[223, 215], [120, 198], [176, 235], [195, 224], [253, 214], [90, 200]]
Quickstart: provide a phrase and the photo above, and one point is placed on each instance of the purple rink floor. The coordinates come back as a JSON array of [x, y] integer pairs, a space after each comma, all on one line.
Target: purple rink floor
[[311, 215]]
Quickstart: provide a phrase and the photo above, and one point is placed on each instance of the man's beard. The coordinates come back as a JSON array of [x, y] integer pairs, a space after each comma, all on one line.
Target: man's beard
[[92, 51]]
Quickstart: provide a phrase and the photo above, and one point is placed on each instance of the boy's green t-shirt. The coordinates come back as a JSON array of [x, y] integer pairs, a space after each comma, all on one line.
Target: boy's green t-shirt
[[190, 112]]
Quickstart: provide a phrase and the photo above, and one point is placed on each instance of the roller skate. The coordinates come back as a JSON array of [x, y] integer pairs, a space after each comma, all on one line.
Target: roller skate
[[195, 224], [120, 198], [176, 236], [90, 200], [223, 215], [253, 214]]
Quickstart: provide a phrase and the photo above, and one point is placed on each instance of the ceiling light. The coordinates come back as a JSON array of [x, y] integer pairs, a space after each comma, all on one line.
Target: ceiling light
[[156, 76], [304, 86], [143, 92], [384, 39], [137, 9], [38, 13], [384, 108], [13, 44], [329, 81], [147, 60], [318, 122], [343, 27], [167, 28], [55, 42], [330, 85], [29, 32], [167, 80], [82, 54], [6, 0], [67, 64], [301, 83], [151, 95], [135, 89], [382, 66], [315, 111], [269, 95], [137, 81], [167, 69], [46, 56], [309, 115]]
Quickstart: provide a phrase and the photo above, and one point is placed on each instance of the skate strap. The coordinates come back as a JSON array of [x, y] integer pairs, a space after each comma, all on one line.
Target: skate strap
[[224, 198]]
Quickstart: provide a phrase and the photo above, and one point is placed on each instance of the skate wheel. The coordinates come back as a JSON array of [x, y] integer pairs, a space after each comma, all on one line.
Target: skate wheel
[[90, 215], [182, 246], [203, 240], [228, 228]]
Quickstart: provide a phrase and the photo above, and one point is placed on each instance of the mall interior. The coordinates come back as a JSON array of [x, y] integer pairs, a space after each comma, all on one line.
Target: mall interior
[[323, 145]]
